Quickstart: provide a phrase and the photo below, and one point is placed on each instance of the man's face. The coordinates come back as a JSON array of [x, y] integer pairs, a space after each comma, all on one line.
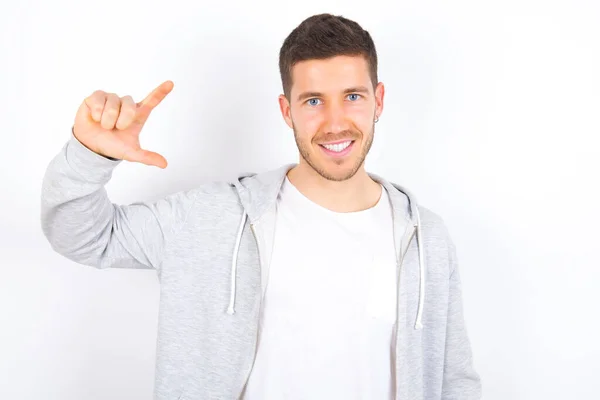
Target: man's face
[[332, 102]]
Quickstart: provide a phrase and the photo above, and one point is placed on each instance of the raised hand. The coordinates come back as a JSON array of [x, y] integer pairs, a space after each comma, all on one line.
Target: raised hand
[[110, 125]]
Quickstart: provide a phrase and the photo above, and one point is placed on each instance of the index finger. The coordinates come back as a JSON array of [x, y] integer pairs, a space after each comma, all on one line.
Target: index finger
[[155, 97]]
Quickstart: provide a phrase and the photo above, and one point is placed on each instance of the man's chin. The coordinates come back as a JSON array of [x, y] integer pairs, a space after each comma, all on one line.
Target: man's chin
[[334, 171]]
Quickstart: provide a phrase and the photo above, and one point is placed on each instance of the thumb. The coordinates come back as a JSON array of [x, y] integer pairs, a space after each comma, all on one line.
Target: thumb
[[148, 158]]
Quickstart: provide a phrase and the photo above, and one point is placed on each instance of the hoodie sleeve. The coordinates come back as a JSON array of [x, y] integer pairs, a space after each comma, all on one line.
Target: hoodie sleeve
[[461, 381], [81, 223]]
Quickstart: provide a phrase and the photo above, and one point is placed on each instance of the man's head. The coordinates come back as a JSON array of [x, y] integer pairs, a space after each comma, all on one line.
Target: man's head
[[328, 67]]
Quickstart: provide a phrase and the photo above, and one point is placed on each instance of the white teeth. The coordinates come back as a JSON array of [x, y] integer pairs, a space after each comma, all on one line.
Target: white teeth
[[337, 147]]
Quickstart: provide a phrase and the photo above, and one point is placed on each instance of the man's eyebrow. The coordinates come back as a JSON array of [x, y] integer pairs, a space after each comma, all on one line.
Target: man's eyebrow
[[356, 89], [306, 95]]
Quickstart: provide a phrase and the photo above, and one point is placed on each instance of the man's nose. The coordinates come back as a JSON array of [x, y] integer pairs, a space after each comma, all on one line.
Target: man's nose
[[335, 118]]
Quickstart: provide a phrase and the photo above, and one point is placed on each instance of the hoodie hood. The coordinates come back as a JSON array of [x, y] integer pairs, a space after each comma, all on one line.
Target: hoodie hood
[[258, 192]]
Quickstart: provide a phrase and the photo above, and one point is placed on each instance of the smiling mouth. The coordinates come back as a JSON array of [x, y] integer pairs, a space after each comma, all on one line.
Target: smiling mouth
[[339, 149]]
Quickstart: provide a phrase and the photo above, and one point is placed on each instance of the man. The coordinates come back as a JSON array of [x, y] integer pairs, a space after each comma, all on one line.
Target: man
[[315, 280]]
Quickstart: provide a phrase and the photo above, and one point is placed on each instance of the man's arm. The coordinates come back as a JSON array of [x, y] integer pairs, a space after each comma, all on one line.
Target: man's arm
[[461, 381], [81, 223]]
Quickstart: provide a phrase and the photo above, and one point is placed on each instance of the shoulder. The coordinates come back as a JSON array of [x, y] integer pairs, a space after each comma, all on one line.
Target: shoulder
[[432, 221], [209, 192], [437, 238], [435, 231], [215, 194], [216, 188]]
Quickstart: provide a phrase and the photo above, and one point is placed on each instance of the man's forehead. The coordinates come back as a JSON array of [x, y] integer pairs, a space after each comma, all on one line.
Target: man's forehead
[[338, 66], [330, 75]]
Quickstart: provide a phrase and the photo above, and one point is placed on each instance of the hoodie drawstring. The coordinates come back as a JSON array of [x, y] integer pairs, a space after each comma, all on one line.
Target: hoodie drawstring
[[231, 308], [420, 244]]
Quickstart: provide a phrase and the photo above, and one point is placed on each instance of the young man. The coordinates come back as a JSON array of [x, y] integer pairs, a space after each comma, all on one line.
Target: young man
[[315, 280]]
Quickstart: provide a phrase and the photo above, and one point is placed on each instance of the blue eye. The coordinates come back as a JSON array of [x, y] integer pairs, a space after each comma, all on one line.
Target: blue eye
[[312, 102], [356, 96]]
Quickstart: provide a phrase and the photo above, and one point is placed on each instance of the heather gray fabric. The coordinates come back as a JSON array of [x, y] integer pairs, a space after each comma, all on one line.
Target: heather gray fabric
[[203, 245]]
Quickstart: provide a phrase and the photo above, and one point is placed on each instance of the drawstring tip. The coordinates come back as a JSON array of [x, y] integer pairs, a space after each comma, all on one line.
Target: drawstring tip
[[230, 310], [418, 326]]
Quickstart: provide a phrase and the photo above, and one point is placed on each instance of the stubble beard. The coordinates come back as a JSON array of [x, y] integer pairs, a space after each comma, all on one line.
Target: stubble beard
[[358, 162]]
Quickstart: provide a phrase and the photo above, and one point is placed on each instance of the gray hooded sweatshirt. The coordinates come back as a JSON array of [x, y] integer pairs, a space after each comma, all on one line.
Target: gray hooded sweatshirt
[[206, 246]]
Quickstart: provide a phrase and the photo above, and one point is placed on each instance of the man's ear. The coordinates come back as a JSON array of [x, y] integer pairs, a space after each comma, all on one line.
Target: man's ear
[[286, 110], [379, 93]]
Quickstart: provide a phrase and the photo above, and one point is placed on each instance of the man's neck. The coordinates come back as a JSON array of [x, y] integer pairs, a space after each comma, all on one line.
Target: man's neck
[[358, 193]]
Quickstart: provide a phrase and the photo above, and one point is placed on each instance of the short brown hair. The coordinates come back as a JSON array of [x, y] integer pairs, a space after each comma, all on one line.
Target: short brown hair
[[324, 36]]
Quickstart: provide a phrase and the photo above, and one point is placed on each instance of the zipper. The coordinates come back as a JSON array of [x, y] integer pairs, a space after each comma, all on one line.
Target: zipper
[[400, 262], [257, 319]]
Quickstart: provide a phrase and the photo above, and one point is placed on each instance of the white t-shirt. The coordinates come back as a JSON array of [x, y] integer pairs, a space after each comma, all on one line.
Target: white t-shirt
[[328, 319]]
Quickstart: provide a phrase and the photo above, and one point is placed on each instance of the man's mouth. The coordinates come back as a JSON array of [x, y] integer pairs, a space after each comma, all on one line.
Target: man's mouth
[[339, 149]]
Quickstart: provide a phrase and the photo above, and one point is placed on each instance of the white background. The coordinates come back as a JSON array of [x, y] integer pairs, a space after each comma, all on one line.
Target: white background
[[491, 118]]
